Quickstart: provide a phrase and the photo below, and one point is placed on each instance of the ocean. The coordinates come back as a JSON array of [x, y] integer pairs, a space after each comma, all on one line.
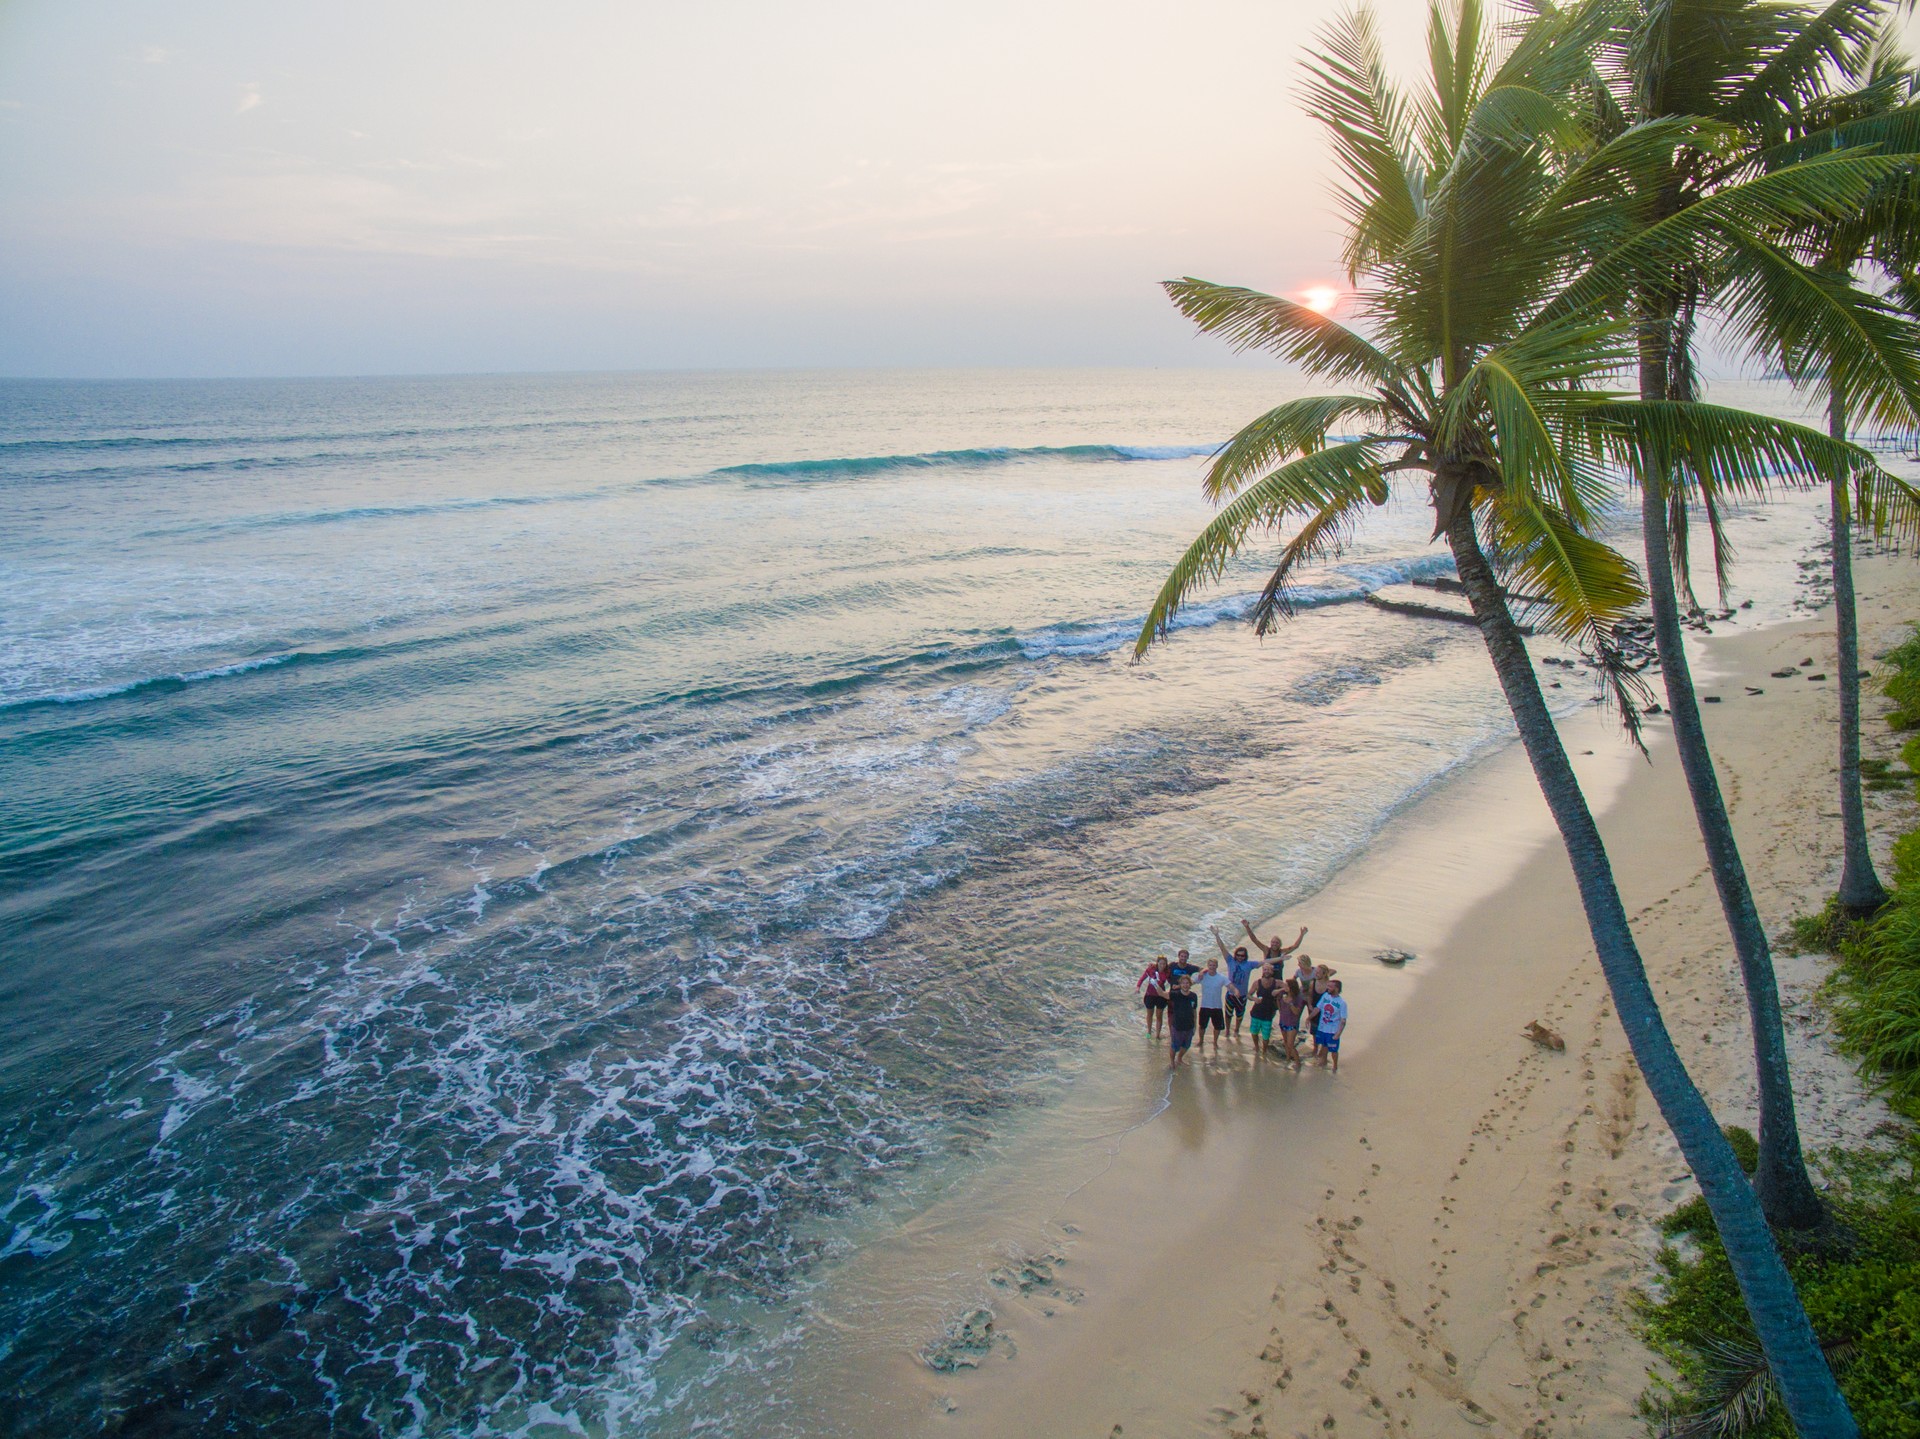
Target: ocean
[[505, 882]]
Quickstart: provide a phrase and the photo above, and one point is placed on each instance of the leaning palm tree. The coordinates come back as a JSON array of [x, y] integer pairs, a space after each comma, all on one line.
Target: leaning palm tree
[[1720, 75], [1477, 374]]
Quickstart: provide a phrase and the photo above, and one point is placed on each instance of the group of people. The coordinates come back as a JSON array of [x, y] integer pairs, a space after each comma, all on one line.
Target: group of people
[[1187, 1000]]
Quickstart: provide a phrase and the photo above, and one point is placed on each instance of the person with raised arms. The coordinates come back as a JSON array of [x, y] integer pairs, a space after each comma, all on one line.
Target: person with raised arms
[[1273, 948], [1240, 972]]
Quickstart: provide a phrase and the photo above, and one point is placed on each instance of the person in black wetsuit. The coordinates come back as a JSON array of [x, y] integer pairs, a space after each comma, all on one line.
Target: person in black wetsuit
[[1183, 1006]]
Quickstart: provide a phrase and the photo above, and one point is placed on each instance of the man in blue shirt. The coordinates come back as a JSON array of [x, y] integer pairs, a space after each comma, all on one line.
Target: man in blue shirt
[[1240, 972]]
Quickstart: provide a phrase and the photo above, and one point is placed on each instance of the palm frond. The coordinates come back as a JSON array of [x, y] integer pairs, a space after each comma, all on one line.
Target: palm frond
[[1820, 188], [1336, 475], [1249, 320], [1530, 393], [1319, 538], [1727, 452], [1822, 329], [1582, 588], [1348, 92], [1738, 1390], [1896, 132], [1296, 427], [1797, 73], [1884, 503]]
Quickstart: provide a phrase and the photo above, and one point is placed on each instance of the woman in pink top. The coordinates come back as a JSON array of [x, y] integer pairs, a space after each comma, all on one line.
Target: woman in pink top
[[1154, 983]]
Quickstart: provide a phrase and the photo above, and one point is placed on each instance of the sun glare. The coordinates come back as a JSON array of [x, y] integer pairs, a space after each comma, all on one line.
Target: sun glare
[[1320, 298]]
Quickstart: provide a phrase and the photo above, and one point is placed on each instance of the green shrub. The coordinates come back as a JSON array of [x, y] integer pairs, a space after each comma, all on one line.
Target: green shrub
[[1822, 933], [1902, 684], [1746, 1148], [1876, 993], [1906, 860], [1865, 1307]]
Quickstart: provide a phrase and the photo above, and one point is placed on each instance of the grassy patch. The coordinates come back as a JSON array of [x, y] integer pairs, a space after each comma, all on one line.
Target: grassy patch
[[1865, 1306]]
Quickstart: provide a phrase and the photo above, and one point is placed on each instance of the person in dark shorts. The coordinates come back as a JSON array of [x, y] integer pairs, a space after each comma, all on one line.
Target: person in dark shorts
[[1154, 983], [1181, 1006], [1213, 1003], [1240, 973]]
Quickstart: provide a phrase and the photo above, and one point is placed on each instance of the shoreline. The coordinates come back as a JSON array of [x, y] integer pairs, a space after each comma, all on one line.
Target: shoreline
[[1272, 1253]]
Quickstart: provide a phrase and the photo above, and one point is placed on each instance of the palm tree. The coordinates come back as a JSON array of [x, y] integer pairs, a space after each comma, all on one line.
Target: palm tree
[[1732, 69], [1482, 374], [1875, 106]]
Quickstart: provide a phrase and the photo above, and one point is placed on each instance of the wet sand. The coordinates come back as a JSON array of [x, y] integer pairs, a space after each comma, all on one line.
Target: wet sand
[[1441, 1239]]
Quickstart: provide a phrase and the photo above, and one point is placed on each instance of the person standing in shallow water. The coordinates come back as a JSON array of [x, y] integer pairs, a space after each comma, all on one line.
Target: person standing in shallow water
[[1181, 1007], [1240, 972], [1330, 1022], [1183, 964], [1213, 1003], [1155, 983]]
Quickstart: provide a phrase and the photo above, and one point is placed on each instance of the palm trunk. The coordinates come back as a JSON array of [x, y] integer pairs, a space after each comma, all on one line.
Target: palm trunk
[[1860, 889], [1786, 1190], [1800, 1371]]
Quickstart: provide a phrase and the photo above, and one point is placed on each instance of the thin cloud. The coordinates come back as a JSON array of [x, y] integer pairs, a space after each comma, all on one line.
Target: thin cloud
[[156, 54], [249, 99]]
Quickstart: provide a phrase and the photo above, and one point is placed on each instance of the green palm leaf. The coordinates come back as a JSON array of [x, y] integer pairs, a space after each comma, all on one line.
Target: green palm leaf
[[1297, 427], [1822, 188], [1249, 320], [1339, 475], [1825, 330]]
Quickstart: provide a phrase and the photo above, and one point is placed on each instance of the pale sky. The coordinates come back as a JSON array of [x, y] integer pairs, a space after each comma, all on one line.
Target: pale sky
[[214, 187]]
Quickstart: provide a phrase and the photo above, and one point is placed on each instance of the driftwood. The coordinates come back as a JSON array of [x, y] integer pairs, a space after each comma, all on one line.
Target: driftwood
[[1429, 612]]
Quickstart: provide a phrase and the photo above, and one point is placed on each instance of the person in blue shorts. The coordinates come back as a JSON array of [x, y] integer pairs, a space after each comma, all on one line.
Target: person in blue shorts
[[1329, 1023]]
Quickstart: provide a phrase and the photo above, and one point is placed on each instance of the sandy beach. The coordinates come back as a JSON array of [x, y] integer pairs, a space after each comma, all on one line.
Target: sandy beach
[[1442, 1238]]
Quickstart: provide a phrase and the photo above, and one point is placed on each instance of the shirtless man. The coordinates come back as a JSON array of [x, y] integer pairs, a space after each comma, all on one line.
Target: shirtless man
[[1263, 1004], [1273, 948]]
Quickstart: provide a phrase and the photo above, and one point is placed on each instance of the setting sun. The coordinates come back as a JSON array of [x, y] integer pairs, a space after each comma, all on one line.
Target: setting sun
[[1320, 298]]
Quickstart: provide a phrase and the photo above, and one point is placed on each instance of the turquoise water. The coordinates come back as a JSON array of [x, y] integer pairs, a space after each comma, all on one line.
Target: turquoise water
[[498, 873]]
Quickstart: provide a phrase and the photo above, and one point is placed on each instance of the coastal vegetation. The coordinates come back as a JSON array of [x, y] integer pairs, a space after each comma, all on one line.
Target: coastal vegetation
[[1862, 1295], [1541, 219]]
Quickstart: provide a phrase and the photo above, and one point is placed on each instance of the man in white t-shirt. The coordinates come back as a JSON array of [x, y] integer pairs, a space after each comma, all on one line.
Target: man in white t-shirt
[[1329, 1023], [1213, 1004]]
